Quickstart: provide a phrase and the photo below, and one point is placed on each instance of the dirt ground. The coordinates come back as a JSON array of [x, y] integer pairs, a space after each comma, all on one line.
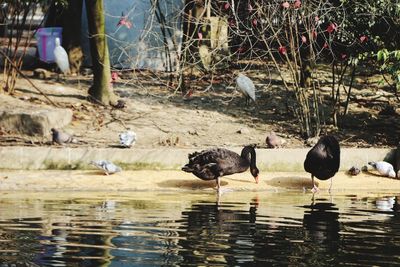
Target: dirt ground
[[207, 116], [155, 180]]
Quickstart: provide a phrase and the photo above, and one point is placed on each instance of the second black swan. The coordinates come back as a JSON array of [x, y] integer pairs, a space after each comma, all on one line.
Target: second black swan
[[323, 160]]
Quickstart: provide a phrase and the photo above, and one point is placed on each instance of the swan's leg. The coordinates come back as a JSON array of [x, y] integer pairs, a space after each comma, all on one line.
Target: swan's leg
[[330, 187], [218, 184], [315, 188]]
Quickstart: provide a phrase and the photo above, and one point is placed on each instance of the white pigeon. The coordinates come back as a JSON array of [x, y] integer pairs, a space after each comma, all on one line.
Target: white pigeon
[[127, 139], [106, 166], [61, 57], [384, 168], [246, 86]]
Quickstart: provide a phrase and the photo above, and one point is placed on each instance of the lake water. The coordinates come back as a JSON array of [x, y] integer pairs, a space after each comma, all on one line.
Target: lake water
[[192, 229]]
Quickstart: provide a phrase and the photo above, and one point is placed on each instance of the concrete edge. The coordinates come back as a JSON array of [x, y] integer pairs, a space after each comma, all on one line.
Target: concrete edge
[[66, 158]]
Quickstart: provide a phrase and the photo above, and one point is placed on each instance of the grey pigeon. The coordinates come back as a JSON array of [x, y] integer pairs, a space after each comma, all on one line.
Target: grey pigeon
[[384, 168], [62, 138], [273, 140], [106, 166], [127, 139], [354, 171]]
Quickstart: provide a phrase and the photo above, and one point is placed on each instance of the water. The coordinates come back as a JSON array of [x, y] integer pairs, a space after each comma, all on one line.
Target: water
[[170, 229]]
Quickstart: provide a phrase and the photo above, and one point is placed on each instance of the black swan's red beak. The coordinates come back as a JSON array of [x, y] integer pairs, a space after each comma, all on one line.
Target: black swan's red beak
[[256, 178]]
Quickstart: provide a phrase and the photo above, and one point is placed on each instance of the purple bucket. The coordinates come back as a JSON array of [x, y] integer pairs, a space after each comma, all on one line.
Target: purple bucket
[[46, 42]]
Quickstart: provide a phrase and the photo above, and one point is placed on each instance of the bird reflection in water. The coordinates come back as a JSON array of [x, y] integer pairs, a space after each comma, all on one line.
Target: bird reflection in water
[[321, 225], [215, 231]]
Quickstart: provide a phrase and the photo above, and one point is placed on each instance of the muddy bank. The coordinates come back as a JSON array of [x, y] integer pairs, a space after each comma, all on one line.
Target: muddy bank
[[177, 181]]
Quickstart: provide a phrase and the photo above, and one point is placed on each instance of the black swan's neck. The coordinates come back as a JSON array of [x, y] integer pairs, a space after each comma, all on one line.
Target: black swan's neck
[[249, 154]]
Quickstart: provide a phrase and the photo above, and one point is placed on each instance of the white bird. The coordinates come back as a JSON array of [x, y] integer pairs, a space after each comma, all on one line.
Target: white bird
[[246, 86], [127, 139], [106, 166], [385, 203], [384, 168], [61, 57]]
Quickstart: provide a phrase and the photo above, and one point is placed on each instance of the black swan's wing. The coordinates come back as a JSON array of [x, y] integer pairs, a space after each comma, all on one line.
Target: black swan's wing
[[211, 163]]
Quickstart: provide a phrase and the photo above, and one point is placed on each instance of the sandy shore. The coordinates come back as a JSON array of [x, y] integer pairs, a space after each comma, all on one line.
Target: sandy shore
[[148, 180]]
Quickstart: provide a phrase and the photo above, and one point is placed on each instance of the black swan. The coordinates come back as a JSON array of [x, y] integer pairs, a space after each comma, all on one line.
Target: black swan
[[323, 159], [397, 162], [213, 163]]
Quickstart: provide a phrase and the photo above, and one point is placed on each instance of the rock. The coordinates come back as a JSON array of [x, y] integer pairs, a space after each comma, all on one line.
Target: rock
[[312, 141], [364, 168], [41, 74], [20, 117], [243, 130], [354, 171]]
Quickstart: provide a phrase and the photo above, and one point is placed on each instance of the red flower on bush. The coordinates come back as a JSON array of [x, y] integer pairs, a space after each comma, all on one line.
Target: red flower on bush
[[255, 22], [285, 4], [282, 50], [114, 76], [326, 45], [363, 38], [297, 4], [314, 34], [304, 39], [123, 21], [241, 49], [227, 5], [343, 56], [331, 28]]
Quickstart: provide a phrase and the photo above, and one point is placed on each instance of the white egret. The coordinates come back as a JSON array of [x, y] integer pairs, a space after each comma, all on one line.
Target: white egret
[[246, 86], [61, 57]]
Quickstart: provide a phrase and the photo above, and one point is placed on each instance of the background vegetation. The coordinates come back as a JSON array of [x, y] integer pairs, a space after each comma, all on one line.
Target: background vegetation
[[294, 38]]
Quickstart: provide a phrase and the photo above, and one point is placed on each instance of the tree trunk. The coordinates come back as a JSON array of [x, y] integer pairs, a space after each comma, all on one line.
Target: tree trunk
[[101, 89], [72, 23], [305, 68]]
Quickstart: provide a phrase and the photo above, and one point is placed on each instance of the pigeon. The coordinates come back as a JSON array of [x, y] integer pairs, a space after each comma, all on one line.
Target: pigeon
[[246, 86], [384, 168], [127, 139], [61, 137], [120, 104], [273, 141], [354, 171], [106, 166]]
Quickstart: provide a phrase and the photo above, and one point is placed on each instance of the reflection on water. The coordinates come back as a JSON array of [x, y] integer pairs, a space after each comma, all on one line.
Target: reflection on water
[[240, 229]]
